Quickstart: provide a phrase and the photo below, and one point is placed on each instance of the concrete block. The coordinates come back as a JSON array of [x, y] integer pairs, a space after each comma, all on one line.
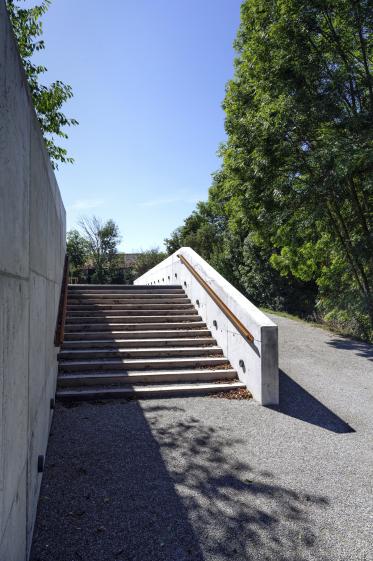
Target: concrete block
[[269, 364]]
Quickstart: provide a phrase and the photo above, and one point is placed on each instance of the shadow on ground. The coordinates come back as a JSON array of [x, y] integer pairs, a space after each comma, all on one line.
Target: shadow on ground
[[132, 482], [365, 350], [298, 403]]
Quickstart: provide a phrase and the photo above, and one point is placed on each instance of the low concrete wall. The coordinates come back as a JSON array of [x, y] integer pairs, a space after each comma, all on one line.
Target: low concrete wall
[[259, 366], [32, 248]]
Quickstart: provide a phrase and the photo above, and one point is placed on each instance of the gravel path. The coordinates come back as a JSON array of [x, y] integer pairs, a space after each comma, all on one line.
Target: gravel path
[[218, 480]]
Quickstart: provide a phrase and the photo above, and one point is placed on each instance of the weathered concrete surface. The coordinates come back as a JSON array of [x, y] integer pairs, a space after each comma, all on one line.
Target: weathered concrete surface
[[255, 362], [217, 480], [32, 247]]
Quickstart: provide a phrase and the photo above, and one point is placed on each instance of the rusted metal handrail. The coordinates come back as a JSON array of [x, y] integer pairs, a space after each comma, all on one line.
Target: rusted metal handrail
[[224, 308], [61, 318]]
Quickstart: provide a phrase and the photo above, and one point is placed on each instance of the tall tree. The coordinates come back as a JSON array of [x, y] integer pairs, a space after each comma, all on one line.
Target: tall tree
[[47, 100], [296, 182], [299, 152], [102, 239]]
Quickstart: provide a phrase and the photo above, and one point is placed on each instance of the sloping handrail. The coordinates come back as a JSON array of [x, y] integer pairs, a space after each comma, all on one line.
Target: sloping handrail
[[61, 317], [224, 308]]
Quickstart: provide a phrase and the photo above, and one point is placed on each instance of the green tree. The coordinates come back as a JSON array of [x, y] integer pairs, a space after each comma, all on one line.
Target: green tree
[[47, 100], [295, 189], [147, 260], [102, 239], [78, 251], [299, 157]]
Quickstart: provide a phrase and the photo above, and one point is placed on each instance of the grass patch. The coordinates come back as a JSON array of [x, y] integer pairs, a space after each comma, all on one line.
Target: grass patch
[[314, 323], [290, 316]]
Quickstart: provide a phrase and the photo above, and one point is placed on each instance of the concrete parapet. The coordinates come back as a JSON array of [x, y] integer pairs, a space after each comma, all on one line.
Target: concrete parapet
[[256, 362], [32, 248]]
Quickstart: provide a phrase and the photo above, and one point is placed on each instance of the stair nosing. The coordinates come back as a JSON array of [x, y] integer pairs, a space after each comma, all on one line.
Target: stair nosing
[[129, 373], [221, 359], [152, 389]]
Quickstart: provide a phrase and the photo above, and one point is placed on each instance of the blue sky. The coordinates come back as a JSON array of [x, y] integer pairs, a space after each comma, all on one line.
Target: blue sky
[[148, 78]]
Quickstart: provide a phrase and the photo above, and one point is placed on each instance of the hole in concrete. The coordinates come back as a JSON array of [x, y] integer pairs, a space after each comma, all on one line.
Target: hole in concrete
[[40, 463]]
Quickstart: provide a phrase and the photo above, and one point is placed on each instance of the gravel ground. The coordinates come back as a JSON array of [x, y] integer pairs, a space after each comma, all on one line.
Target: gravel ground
[[218, 480]]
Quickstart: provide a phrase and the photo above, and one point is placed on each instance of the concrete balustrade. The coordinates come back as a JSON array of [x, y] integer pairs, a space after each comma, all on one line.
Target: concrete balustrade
[[32, 248], [256, 362]]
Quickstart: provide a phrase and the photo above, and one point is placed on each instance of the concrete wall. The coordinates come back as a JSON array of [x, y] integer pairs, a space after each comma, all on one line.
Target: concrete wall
[[32, 248], [256, 363]]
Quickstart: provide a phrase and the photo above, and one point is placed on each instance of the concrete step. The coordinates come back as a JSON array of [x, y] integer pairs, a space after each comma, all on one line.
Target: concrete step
[[154, 352], [88, 336], [140, 318], [126, 299], [129, 305], [137, 343], [176, 293], [77, 293], [149, 325], [149, 377], [132, 311], [142, 364], [143, 392], [133, 287]]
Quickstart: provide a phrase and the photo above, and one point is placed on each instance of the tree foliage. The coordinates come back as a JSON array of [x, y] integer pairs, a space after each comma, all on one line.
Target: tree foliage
[[47, 100], [294, 195], [102, 239], [147, 260], [77, 248]]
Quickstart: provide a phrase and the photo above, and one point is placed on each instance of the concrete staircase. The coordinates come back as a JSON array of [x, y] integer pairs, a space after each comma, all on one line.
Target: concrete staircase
[[145, 341]]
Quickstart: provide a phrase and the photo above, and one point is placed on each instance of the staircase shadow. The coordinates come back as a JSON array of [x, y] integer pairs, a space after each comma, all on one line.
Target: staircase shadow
[[106, 493], [150, 482], [298, 403]]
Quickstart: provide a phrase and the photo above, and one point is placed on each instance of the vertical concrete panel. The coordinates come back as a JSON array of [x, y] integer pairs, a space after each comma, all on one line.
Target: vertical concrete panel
[[13, 542], [37, 342], [270, 379], [49, 329], [14, 297], [38, 439], [39, 194], [14, 157]]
